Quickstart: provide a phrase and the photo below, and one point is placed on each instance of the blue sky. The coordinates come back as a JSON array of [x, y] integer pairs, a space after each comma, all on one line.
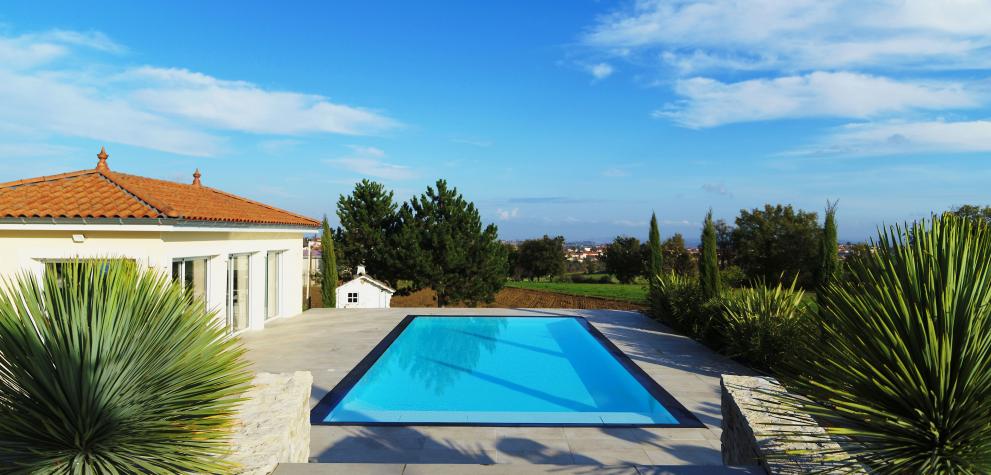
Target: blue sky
[[555, 117]]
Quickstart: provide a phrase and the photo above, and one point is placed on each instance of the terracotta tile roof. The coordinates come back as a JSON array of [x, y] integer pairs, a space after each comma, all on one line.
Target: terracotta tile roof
[[102, 193]]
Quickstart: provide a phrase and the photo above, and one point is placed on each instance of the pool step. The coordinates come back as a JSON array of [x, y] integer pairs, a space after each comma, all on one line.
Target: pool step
[[505, 469]]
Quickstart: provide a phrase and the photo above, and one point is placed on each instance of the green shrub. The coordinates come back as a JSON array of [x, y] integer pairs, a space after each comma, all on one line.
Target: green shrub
[[680, 303], [108, 369], [733, 277], [765, 326], [592, 279], [903, 370]]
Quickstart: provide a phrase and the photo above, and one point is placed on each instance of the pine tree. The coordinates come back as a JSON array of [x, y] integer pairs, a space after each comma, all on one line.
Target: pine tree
[[442, 242], [328, 267], [829, 259], [368, 228], [709, 260]]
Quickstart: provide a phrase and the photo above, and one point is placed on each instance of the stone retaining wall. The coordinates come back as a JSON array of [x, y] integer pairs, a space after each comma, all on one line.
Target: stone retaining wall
[[754, 429], [274, 423]]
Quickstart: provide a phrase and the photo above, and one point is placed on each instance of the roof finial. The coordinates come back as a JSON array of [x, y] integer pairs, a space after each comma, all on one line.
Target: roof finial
[[196, 177], [102, 164]]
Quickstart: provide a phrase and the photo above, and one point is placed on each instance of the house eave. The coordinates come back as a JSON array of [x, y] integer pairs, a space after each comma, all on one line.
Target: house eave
[[145, 224]]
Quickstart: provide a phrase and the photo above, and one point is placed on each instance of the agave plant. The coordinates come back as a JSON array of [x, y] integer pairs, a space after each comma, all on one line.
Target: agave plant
[[765, 326], [903, 371], [105, 368]]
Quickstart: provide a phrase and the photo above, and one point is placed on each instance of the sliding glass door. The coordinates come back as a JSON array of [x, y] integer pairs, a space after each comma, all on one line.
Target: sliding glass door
[[273, 274], [237, 292], [191, 273]]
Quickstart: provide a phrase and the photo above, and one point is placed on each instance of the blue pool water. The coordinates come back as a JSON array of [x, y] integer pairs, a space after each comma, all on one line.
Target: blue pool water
[[503, 370]]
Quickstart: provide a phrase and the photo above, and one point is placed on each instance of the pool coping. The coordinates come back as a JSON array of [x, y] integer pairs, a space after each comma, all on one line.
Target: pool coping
[[326, 404]]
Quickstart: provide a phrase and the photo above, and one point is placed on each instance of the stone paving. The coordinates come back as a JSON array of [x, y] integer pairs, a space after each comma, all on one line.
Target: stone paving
[[330, 342]]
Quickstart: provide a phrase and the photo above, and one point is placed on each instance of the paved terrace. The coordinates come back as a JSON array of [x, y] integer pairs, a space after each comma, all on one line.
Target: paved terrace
[[330, 342]]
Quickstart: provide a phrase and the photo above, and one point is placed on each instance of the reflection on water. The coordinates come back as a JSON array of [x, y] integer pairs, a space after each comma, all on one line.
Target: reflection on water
[[498, 369], [429, 347]]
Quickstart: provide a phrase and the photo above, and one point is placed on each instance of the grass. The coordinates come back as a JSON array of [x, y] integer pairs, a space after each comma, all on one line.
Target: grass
[[636, 293]]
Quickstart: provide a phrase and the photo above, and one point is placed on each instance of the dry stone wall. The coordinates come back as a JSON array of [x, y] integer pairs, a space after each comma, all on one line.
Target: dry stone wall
[[273, 423], [757, 430]]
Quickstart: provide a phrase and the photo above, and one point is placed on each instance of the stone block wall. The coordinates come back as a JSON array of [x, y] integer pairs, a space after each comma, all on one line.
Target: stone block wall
[[273, 423], [758, 431]]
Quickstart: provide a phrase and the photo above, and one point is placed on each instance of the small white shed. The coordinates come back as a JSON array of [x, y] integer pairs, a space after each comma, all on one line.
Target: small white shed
[[364, 292]]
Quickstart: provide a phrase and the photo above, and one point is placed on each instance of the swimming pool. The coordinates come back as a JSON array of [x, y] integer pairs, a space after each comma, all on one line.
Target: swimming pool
[[460, 370]]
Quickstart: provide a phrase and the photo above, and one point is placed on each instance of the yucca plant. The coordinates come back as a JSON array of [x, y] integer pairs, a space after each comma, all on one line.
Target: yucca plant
[[765, 326], [105, 368], [903, 370]]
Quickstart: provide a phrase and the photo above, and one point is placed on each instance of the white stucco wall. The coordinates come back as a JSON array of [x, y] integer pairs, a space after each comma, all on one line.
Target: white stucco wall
[[369, 295], [27, 250]]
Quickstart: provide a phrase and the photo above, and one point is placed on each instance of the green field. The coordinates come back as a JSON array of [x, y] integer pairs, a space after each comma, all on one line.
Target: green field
[[636, 293]]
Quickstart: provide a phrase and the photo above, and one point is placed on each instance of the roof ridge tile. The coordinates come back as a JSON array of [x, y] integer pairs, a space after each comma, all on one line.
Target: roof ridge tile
[[151, 201], [47, 178]]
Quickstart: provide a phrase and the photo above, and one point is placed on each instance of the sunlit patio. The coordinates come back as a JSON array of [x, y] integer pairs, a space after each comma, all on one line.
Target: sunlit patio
[[329, 343]]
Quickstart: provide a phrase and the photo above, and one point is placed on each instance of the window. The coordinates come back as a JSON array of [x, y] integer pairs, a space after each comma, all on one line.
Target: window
[[62, 267], [273, 274], [352, 297], [237, 291], [190, 272]]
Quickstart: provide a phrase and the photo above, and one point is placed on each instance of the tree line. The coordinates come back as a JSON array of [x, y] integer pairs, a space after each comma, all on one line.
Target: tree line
[[435, 240], [770, 244]]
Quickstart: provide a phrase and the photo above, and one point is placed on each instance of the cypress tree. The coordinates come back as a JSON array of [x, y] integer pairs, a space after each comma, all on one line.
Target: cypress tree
[[655, 267], [709, 261], [655, 262], [328, 267], [829, 259]]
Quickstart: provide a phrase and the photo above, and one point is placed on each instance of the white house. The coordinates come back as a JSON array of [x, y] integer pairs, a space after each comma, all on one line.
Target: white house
[[244, 258], [364, 292]]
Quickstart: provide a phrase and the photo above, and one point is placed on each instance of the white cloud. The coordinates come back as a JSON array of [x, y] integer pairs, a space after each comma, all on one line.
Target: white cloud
[[716, 188], [278, 146], [367, 151], [894, 137], [48, 87], [242, 106], [31, 50], [50, 105], [616, 172], [506, 215], [375, 168], [472, 141], [600, 70], [708, 102], [630, 223], [800, 35], [88, 39], [369, 161], [31, 149]]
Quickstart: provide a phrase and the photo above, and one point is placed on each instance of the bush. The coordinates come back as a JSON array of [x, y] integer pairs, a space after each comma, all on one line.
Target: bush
[[108, 369], [765, 326], [903, 370], [593, 279], [680, 303], [733, 277]]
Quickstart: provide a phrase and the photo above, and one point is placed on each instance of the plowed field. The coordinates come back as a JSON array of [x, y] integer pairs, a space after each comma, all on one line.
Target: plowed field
[[523, 298]]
